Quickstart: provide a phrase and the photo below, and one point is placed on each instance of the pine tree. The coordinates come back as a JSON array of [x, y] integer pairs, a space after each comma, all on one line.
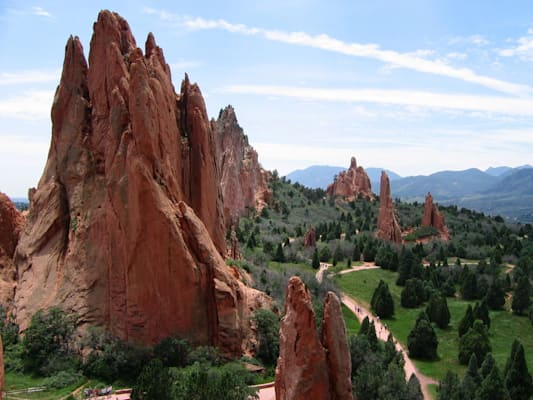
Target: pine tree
[[521, 296], [382, 302], [315, 263], [492, 387], [486, 366], [496, 295], [517, 379], [437, 310], [422, 341], [279, 256], [413, 293], [469, 286], [481, 312], [476, 340], [467, 321], [414, 391], [365, 326], [449, 387], [471, 380]]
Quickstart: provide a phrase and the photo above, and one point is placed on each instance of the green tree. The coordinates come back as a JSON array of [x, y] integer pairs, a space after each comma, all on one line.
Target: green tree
[[315, 263], [365, 326], [414, 391], [476, 341], [280, 255], [9, 330], [325, 254], [437, 310], [406, 262], [422, 341], [467, 321], [267, 324], [449, 387], [492, 387], [382, 302], [47, 343], [413, 293], [517, 378], [337, 255], [481, 312], [486, 366], [172, 351], [469, 289], [521, 296], [471, 380], [153, 383], [496, 295]]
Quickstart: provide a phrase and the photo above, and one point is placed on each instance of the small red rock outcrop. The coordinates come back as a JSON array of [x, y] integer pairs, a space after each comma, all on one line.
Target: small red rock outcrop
[[11, 223], [351, 184], [432, 217], [126, 226], [308, 368], [243, 181], [388, 227], [310, 238]]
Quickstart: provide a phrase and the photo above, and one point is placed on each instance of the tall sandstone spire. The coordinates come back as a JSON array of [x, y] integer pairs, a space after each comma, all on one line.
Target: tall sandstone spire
[[310, 367], [388, 227], [126, 227], [351, 184], [432, 217]]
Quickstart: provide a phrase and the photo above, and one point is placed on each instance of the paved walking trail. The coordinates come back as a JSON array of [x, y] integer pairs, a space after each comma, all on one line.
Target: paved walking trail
[[381, 329]]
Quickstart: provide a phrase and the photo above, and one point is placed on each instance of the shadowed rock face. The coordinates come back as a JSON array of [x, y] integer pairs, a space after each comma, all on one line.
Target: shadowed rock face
[[243, 182], [126, 226], [309, 368], [11, 223], [351, 184], [310, 238], [388, 227], [432, 217]]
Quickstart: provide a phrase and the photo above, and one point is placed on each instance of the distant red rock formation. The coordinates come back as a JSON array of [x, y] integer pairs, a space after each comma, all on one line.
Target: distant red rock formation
[[310, 238], [244, 183], [432, 217], [11, 224], [388, 227], [351, 184], [126, 227], [309, 368], [1, 368]]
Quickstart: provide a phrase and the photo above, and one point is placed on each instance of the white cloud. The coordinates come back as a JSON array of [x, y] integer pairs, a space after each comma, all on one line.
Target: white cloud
[[41, 12], [181, 65], [492, 104], [477, 40], [23, 77], [31, 105], [414, 60], [454, 55], [523, 49]]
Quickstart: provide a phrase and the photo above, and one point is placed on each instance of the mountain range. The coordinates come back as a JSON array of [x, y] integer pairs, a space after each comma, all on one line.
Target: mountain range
[[501, 190]]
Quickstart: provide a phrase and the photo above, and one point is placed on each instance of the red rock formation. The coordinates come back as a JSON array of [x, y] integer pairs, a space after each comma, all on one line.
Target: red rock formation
[[11, 222], [432, 217], [310, 238], [388, 227], [308, 368], [302, 371], [244, 183], [109, 234], [1, 369], [351, 184], [338, 352]]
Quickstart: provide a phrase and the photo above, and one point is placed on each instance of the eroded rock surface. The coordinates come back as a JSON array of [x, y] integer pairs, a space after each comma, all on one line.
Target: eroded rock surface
[[310, 238], [126, 226], [432, 217], [308, 367], [243, 181], [11, 223], [351, 184], [388, 227]]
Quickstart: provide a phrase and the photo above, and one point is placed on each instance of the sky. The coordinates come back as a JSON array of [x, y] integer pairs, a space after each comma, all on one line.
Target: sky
[[414, 86]]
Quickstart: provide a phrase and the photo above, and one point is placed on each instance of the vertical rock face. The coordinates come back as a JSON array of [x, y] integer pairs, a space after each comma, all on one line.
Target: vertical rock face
[[310, 238], [388, 227], [1, 368], [432, 217], [351, 184], [126, 227], [302, 371], [244, 183], [338, 352], [309, 368], [11, 223]]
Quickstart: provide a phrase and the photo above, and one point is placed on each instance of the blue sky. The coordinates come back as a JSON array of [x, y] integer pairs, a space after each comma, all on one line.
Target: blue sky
[[412, 86]]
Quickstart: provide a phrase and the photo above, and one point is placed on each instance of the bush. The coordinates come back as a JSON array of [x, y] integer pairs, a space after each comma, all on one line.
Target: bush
[[62, 379], [154, 382], [268, 336], [173, 352]]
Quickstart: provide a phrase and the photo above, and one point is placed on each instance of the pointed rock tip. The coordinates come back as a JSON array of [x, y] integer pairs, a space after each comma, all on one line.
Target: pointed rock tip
[[227, 113], [353, 163], [150, 45]]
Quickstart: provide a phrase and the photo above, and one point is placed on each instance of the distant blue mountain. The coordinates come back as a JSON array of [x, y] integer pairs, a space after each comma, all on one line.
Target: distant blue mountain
[[320, 176]]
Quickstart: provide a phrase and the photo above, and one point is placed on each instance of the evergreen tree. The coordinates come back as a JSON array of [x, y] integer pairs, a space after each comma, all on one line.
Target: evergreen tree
[[476, 340], [372, 337], [481, 312], [422, 341], [492, 387], [154, 382], [279, 256], [325, 254], [437, 310], [414, 391], [356, 255], [413, 293], [471, 380], [496, 295], [365, 326], [337, 255], [469, 286], [406, 261], [315, 263], [521, 296], [449, 387], [467, 321], [517, 379], [486, 366], [382, 302]]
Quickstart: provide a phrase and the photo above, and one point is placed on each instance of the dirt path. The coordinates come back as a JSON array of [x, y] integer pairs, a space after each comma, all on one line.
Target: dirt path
[[381, 329]]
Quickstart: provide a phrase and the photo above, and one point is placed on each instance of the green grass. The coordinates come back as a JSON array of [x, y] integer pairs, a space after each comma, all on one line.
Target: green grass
[[504, 327], [352, 324], [19, 381], [277, 266], [432, 389]]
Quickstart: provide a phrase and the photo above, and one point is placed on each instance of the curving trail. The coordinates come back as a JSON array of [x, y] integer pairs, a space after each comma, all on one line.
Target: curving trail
[[382, 332]]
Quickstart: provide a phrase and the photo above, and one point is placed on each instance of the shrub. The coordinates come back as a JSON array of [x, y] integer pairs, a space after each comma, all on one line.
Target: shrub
[[268, 336], [62, 379]]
